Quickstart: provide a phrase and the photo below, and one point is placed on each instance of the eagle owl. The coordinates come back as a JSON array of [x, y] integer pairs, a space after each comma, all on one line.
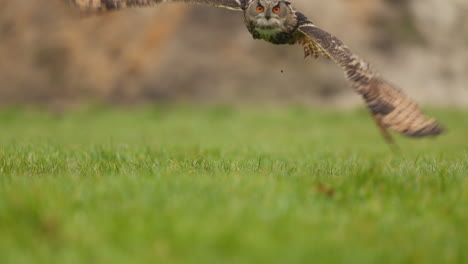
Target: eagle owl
[[277, 22]]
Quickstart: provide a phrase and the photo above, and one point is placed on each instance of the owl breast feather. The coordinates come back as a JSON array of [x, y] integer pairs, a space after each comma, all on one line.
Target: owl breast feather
[[274, 36]]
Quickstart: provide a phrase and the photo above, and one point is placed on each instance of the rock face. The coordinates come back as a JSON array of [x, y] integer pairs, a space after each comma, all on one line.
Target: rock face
[[443, 55], [51, 53]]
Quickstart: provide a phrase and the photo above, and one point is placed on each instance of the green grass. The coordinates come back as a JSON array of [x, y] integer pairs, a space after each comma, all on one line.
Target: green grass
[[228, 185]]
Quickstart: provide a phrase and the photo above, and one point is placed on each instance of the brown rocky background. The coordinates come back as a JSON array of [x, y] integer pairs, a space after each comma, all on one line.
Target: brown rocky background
[[52, 54]]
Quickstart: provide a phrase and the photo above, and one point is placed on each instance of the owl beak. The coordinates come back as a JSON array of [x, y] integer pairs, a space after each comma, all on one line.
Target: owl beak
[[268, 15]]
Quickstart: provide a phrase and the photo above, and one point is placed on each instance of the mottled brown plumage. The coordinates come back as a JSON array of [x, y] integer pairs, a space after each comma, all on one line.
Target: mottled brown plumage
[[276, 21], [390, 107], [102, 5]]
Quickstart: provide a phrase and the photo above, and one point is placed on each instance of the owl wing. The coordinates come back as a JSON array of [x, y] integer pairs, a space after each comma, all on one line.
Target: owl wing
[[105, 5], [389, 106]]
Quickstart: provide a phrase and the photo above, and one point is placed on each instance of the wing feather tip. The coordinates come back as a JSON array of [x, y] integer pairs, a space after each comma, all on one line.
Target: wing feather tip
[[432, 130]]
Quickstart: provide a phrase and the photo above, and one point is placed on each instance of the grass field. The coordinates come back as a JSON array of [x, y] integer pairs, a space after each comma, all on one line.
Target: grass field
[[185, 184]]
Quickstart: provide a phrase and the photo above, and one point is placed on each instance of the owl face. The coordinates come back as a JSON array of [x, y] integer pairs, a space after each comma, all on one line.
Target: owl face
[[270, 15]]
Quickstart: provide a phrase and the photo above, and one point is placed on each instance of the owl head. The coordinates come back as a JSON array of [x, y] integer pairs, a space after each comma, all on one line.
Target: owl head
[[277, 15]]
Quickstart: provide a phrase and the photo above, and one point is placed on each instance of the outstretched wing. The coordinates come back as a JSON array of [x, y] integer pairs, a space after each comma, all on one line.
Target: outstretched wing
[[104, 5], [390, 107]]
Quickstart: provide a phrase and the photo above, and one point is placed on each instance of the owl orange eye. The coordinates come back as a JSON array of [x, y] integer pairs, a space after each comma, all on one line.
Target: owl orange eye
[[260, 9], [276, 9]]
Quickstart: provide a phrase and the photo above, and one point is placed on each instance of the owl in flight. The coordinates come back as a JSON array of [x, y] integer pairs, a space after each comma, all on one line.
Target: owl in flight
[[277, 22]]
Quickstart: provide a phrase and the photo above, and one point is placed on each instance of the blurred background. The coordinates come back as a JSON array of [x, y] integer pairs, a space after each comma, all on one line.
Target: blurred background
[[52, 54]]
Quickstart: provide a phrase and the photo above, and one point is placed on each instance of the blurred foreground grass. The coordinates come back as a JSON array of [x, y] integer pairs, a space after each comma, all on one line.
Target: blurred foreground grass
[[228, 185]]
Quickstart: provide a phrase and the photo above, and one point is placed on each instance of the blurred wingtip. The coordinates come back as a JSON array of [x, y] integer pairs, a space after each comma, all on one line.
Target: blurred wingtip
[[398, 112], [433, 129]]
